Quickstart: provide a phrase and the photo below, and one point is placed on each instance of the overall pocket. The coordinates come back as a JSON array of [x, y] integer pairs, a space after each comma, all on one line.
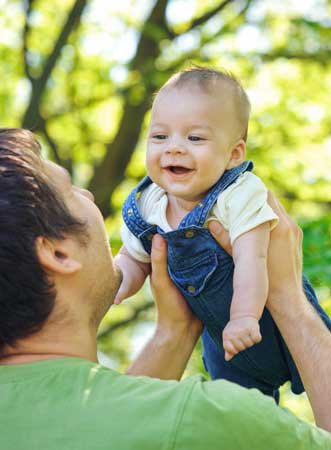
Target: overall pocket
[[191, 278]]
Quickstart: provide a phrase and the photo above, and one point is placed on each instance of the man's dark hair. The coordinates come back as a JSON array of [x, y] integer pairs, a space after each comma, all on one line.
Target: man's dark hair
[[29, 207], [207, 78]]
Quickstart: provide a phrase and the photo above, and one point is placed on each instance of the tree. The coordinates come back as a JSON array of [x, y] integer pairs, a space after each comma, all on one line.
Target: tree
[[81, 74]]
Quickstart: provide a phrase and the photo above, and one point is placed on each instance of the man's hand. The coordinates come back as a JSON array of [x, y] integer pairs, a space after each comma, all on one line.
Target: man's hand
[[166, 355], [306, 336], [284, 254], [173, 312], [220, 235], [284, 257]]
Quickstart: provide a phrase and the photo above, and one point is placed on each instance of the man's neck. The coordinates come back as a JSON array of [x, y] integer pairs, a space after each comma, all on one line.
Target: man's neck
[[27, 358], [46, 345]]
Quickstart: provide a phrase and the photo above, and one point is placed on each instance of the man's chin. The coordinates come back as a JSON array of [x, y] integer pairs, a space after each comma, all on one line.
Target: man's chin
[[106, 296]]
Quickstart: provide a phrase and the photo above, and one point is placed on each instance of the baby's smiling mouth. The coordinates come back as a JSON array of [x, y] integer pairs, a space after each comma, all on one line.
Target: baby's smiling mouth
[[178, 170]]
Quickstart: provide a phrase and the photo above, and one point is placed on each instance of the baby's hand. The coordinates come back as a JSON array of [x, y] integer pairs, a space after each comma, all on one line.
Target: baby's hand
[[127, 289], [239, 334]]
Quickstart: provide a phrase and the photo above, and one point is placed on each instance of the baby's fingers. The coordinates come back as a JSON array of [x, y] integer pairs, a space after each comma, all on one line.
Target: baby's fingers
[[228, 356], [121, 295], [230, 350], [255, 336], [239, 341]]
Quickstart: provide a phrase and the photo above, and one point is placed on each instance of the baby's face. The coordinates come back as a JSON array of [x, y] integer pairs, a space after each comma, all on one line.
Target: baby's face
[[190, 138]]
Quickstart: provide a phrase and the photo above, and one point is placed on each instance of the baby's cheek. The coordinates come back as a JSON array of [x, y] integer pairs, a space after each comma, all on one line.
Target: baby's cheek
[[150, 165], [155, 173]]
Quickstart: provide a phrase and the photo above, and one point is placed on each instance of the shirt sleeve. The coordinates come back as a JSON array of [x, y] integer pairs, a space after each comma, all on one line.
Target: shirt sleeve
[[243, 206], [220, 414], [149, 197], [133, 245]]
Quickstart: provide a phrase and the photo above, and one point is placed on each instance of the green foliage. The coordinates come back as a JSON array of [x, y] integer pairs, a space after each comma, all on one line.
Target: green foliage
[[317, 250], [118, 53]]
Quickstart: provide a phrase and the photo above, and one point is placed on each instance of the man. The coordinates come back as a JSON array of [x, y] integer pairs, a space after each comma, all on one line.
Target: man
[[57, 280]]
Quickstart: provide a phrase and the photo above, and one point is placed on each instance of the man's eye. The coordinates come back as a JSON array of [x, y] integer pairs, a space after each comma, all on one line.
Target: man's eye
[[196, 138], [159, 137]]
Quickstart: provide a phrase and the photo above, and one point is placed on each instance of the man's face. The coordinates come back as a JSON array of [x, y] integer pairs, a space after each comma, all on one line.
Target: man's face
[[190, 139], [99, 279]]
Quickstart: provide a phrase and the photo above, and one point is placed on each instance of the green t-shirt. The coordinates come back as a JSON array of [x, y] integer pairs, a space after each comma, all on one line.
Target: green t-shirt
[[73, 404]]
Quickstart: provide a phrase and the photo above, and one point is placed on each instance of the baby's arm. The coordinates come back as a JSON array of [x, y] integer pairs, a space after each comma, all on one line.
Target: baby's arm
[[134, 273], [250, 290]]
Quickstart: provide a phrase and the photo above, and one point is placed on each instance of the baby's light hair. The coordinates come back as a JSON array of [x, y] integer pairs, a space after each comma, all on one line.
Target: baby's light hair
[[207, 79]]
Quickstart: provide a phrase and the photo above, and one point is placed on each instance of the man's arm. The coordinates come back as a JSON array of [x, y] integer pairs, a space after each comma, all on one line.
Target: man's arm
[[166, 355], [305, 334]]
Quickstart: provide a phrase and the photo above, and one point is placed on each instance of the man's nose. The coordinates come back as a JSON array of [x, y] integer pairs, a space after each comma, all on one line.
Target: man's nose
[[86, 193]]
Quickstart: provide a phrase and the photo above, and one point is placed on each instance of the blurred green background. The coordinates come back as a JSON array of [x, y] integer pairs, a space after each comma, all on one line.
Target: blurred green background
[[81, 74]]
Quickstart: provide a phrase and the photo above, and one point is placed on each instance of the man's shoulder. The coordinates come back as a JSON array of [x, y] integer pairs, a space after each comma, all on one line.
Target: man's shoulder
[[109, 379], [243, 419], [98, 378], [96, 407], [91, 405]]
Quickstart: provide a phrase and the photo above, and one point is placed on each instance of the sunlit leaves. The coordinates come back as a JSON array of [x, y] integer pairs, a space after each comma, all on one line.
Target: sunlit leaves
[[280, 50]]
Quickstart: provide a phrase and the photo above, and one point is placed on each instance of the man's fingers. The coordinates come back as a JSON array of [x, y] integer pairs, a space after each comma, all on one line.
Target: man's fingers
[[286, 224], [278, 208], [220, 235], [159, 256]]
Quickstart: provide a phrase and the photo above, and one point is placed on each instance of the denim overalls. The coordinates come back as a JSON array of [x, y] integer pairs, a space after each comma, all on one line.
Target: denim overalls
[[203, 272]]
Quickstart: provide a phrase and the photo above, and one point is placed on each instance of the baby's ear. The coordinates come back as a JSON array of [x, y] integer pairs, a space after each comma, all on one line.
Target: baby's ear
[[238, 154]]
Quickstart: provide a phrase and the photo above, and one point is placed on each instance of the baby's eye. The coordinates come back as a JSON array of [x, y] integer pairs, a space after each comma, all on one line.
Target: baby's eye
[[159, 137], [196, 138]]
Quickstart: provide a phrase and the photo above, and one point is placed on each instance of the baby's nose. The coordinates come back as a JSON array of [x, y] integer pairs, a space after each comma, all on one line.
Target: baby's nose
[[176, 147]]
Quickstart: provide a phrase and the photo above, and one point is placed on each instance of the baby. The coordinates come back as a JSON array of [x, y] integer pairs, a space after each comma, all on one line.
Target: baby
[[197, 172], [198, 131]]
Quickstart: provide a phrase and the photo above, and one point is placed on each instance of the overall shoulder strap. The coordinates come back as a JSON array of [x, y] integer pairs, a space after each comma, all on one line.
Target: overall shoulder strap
[[199, 213], [130, 211]]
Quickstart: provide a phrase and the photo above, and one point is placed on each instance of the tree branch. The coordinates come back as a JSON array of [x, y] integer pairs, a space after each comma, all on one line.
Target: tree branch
[[110, 172], [208, 15], [122, 323], [202, 19], [53, 146], [26, 30], [226, 28], [322, 57], [90, 102], [31, 116], [71, 23]]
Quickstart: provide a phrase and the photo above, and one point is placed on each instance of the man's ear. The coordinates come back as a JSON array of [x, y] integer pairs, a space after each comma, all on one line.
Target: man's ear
[[238, 154], [54, 256]]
